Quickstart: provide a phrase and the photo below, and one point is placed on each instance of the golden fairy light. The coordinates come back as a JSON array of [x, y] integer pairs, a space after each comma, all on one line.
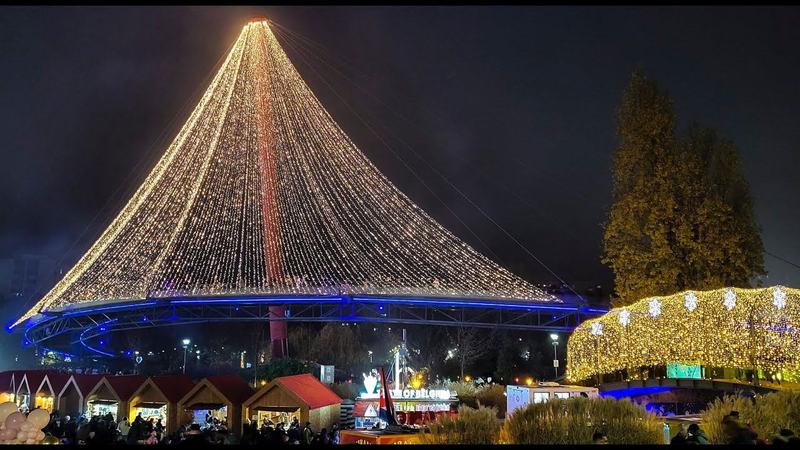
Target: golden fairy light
[[262, 193], [731, 327]]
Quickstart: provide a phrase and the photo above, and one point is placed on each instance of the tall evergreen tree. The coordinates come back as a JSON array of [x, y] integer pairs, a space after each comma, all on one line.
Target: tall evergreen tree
[[639, 235], [682, 216], [737, 240]]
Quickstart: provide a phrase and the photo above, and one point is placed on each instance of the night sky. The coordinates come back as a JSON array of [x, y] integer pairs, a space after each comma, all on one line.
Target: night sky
[[515, 106]]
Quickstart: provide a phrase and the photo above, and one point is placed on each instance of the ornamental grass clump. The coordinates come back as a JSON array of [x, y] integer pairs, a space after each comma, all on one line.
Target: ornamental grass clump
[[574, 421], [467, 392], [470, 426], [493, 395], [768, 414]]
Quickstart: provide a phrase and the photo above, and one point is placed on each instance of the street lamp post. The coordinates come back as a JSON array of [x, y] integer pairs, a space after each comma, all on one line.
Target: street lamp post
[[186, 342], [554, 338]]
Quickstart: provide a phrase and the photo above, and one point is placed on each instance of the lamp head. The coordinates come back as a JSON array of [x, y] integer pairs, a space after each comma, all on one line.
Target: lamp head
[[554, 336], [186, 341]]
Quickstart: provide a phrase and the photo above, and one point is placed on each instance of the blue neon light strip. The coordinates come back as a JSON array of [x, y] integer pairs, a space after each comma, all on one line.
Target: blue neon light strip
[[463, 303], [89, 347], [256, 300], [339, 299], [440, 302]]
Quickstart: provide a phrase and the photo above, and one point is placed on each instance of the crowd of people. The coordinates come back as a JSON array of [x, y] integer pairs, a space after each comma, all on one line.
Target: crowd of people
[[269, 433], [104, 430], [735, 433]]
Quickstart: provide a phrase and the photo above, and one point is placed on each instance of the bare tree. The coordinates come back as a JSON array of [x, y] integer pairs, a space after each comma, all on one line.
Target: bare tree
[[470, 345]]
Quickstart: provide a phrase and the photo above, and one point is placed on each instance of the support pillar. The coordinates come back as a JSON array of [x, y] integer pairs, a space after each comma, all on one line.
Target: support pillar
[[268, 163], [278, 332]]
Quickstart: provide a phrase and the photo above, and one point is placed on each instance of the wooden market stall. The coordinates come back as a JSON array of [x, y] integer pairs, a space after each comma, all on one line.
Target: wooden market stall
[[7, 391], [219, 396], [26, 389], [71, 398], [301, 396], [111, 395], [46, 393], [158, 396]]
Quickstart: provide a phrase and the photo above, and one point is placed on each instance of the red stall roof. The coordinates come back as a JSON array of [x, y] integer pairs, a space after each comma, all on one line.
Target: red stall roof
[[86, 382], [310, 390], [34, 378], [57, 380], [174, 387], [5, 381], [125, 385], [232, 387]]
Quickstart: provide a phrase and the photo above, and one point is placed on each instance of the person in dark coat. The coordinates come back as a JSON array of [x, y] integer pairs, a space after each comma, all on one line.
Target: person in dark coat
[[70, 429], [680, 438], [55, 427], [308, 434], [135, 430], [696, 435], [194, 437], [735, 432]]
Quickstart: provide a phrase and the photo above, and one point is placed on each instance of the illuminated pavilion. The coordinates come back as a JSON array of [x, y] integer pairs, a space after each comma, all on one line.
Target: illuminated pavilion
[[720, 334], [261, 199]]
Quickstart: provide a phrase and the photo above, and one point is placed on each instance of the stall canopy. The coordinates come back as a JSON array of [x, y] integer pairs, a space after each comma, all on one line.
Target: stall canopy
[[214, 393], [304, 393], [161, 391]]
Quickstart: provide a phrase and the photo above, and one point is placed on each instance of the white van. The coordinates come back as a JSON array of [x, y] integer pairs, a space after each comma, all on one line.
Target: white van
[[521, 396]]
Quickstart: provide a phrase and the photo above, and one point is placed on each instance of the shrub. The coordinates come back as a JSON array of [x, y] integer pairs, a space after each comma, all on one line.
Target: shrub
[[721, 407], [280, 367], [467, 393], [493, 395], [766, 413], [574, 421], [470, 426]]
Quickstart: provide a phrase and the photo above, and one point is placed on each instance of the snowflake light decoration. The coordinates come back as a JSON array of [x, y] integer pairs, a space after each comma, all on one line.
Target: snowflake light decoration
[[729, 299], [778, 298], [624, 317], [654, 307], [597, 328], [690, 301]]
